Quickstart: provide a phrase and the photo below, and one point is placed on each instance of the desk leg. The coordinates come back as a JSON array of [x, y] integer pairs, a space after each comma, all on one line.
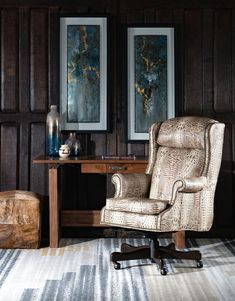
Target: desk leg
[[179, 239], [54, 207]]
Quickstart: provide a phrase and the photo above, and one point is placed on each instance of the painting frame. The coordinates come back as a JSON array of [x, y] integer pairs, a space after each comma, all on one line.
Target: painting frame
[[84, 73], [144, 87]]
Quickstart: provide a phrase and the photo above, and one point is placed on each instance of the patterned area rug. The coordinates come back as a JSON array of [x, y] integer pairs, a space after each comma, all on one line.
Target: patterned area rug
[[80, 270]]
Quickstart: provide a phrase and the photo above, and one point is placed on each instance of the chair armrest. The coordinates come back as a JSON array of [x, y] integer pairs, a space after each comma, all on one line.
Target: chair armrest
[[192, 185], [131, 185]]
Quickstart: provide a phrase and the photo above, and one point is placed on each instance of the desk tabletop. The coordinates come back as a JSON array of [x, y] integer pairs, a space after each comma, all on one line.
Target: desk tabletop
[[89, 159]]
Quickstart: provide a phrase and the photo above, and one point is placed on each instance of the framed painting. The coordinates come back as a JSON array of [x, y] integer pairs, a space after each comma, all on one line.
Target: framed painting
[[150, 83], [83, 73]]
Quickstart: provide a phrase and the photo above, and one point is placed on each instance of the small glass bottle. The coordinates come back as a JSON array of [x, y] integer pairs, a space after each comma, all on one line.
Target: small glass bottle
[[53, 131], [74, 144]]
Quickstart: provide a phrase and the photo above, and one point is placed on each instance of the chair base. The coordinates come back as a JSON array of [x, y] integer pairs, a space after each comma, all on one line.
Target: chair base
[[155, 253]]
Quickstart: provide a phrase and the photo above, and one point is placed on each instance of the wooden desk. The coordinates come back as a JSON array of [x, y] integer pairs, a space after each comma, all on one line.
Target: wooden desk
[[86, 218], [92, 164]]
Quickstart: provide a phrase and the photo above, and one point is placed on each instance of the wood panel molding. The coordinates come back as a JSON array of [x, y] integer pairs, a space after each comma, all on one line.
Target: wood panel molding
[[39, 60], [223, 67], [9, 60]]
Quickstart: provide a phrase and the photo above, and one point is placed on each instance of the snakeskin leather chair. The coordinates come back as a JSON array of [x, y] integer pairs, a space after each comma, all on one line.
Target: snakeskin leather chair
[[176, 192]]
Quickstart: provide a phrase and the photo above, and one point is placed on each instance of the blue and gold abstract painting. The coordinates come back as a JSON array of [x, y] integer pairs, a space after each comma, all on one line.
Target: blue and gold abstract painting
[[83, 73], [150, 80]]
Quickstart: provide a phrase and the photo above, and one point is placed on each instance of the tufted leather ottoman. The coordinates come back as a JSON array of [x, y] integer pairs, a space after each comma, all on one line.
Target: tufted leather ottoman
[[20, 225]]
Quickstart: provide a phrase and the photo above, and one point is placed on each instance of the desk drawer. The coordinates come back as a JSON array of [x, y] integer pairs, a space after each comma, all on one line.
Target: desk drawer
[[114, 167], [93, 168], [126, 168]]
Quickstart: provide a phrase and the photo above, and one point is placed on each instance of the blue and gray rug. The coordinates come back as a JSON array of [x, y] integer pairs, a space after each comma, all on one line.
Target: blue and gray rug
[[80, 270]]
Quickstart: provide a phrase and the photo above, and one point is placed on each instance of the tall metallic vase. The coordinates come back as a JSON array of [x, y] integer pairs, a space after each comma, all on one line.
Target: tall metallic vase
[[53, 128]]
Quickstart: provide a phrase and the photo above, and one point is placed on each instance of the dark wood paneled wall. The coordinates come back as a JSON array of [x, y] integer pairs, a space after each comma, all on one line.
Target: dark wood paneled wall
[[205, 74]]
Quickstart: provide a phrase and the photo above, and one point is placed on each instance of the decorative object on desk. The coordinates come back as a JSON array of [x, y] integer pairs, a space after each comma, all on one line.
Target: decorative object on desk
[[53, 131], [74, 144], [150, 88], [64, 151], [83, 69]]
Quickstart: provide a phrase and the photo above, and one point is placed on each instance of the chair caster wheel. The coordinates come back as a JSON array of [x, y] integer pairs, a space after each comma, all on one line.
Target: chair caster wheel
[[163, 271], [199, 264], [117, 265]]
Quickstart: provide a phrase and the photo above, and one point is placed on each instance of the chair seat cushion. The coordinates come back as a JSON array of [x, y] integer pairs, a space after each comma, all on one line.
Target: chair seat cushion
[[136, 205]]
